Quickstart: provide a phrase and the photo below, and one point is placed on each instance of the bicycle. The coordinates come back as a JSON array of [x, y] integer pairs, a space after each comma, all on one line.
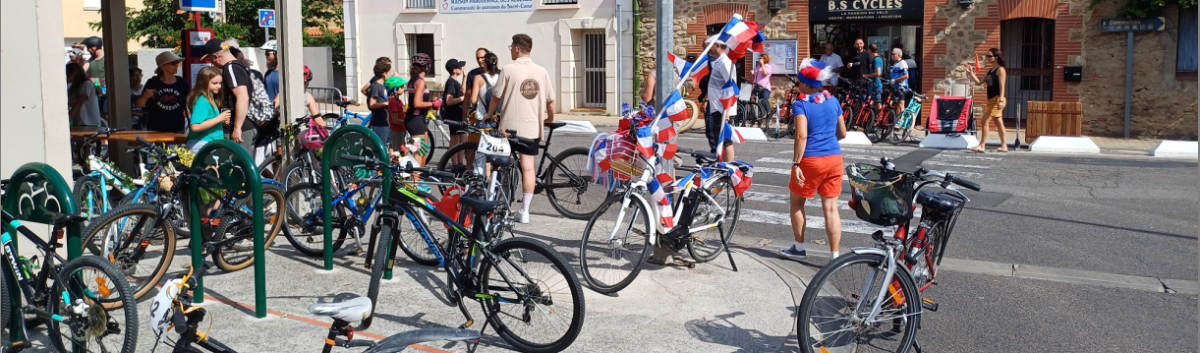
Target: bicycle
[[60, 295], [90, 145], [175, 306], [698, 205], [898, 268], [344, 120], [472, 258], [565, 186], [907, 118]]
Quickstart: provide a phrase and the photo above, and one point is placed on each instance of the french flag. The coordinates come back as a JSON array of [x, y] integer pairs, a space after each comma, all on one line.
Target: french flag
[[660, 198], [664, 130], [739, 36], [683, 67], [729, 93], [674, 107], [645, 141], [728, 132]]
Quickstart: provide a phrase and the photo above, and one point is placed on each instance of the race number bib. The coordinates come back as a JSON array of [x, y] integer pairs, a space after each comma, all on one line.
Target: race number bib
[[160, 309]]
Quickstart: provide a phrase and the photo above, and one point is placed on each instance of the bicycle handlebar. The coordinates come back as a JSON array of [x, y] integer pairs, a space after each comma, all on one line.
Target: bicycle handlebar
[[922, 173], [376, 163]]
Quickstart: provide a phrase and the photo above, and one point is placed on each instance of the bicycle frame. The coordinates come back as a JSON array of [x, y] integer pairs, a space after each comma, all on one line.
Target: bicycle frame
[[28, 284]]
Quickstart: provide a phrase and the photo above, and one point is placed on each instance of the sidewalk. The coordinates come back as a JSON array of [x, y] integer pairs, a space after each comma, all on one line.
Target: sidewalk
[[1108, 145]]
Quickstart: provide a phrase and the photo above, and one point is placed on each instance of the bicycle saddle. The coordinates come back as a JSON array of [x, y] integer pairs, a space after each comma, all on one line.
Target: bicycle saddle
[[937, 202], [342, 103], [63, 218], [479, 207], [353, 310], [499, 161], [703, 157], [555, 125]]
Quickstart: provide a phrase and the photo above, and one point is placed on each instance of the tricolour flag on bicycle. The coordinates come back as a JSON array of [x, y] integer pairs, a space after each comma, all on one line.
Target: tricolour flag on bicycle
[[664, 130], [674, 107], [731, 134], [728, 95], [645, 141], [741, 181], [683, 67], [660, 200]]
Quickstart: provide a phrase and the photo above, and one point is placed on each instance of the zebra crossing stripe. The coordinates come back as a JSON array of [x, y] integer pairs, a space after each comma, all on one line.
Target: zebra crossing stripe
[[944, 155], [956, 165], [783, 199], [814, 222]]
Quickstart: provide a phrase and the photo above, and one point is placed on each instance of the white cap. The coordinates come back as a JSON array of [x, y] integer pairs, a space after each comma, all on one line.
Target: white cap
[[714, 39]]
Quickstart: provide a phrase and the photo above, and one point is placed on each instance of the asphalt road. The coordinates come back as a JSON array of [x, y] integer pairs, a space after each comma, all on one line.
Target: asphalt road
[[1056, 253]]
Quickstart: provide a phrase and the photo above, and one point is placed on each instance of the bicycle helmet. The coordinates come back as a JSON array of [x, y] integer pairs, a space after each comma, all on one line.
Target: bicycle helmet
[[271, 45], [421, 59], [308, 75], [394, 82], [93, 41]]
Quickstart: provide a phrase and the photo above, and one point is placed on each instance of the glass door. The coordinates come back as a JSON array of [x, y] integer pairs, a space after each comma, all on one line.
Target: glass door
[[905, 37]]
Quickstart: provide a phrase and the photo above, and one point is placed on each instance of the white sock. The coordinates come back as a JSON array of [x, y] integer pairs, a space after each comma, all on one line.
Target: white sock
[[833, 255], [525, 201], [798, 246]]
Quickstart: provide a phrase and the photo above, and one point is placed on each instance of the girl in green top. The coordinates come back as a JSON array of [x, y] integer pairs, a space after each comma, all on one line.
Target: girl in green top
[[206, 120]]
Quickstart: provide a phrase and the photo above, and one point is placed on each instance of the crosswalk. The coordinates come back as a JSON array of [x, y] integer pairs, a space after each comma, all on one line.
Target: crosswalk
[[763, 201]]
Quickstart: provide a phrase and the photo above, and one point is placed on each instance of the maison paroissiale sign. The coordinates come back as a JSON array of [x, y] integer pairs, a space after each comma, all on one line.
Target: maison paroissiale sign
[[472, 6]]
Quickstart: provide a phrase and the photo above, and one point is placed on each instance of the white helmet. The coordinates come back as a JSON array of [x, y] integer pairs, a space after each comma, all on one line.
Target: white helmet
[[270, 45]]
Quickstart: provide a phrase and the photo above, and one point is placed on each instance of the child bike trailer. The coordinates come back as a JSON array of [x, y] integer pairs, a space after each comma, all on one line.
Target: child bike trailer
[[950, 114]]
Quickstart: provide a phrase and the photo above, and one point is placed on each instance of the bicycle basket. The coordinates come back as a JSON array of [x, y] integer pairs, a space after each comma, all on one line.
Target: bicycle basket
[[880, 196]]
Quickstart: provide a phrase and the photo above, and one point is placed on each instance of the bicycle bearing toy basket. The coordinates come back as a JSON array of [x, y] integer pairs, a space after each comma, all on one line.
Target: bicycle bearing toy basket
[[880, 196]]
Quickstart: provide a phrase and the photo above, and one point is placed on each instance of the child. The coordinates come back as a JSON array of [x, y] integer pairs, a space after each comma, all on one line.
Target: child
[[395, 85], [817, 163], [206, 121]]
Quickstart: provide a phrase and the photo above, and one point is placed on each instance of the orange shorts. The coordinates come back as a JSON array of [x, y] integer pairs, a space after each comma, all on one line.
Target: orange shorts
[[822, 175]]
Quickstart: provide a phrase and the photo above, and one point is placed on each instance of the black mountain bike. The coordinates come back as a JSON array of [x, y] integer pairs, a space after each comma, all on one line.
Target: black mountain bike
[[507, 277], [86, 303]]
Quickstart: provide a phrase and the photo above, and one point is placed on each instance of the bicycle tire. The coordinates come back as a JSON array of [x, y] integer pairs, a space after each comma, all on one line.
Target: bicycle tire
[[432, 146], [299, 241], [272, 163], [5, 296], [501, 250], [418, 243], [727, 235], [167, 237], [444, 162], [125, 303], [297, 173], [693, 109], [911, 295], [176, 218], [639, 209], [87, 186], [239, 224], [380, 263], [557, 200]]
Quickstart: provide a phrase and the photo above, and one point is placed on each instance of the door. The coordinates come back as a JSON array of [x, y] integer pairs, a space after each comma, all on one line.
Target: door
[[1028, 48], [593, 69]]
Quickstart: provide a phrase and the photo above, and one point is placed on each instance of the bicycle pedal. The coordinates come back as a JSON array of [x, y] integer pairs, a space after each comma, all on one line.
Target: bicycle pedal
[[928, 304]]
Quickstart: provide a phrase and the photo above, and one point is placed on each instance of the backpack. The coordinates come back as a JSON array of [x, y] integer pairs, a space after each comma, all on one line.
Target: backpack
[[486, 98], [261, 109]]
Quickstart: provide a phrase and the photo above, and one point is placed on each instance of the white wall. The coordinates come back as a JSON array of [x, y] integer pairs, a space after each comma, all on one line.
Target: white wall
[[35, 125], [382, 26]]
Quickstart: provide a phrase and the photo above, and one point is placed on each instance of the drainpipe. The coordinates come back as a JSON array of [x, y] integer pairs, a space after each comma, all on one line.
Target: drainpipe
[[637, 47], [349, 13]]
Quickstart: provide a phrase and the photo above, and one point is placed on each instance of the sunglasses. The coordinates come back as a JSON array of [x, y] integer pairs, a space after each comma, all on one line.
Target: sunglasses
[[989, 56]]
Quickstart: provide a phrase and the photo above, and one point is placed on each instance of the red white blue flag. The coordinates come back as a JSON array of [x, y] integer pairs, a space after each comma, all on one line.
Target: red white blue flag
[[683, 67], [739, 35], [674, 107]]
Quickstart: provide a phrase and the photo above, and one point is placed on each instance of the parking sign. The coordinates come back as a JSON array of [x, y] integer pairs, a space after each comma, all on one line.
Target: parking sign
[[266, 18]]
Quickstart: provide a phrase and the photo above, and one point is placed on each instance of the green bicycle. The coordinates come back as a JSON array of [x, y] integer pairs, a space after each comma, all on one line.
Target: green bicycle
[[904, 124]]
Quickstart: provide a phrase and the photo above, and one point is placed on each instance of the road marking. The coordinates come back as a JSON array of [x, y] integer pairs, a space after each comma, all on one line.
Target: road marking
[[784, 199], [956, 165], [963, 156], [814, 222]]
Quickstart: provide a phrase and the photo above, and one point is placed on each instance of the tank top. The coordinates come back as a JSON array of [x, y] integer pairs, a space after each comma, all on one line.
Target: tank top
[[485, 94], [993, 83], [415, 121]]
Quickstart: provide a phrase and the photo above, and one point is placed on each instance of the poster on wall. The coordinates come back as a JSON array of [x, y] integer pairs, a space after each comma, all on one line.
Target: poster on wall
[[884, 43], [783, 55], [475, 6], [865, 10]]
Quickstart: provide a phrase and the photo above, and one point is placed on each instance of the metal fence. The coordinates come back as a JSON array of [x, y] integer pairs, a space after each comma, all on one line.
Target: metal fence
[[327, 99], [420, 4]]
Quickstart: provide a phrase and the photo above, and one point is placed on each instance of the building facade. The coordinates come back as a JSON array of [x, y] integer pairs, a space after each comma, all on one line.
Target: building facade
[[575, 40], [1041, 41], [78, 14]]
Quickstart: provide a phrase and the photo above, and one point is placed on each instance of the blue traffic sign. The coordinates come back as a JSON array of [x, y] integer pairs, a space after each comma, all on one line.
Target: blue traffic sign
[[199, 5], [266, 18]]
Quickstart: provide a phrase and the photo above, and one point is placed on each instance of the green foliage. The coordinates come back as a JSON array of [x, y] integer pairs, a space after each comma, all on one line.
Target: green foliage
[[160, 24], [1137, 9]]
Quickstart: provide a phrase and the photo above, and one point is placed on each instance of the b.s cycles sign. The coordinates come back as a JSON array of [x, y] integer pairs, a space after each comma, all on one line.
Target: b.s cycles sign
[[865, 10]]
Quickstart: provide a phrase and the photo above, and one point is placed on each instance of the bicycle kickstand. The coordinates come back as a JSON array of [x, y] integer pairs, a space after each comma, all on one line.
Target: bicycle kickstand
[[727, 252], [917, 346]]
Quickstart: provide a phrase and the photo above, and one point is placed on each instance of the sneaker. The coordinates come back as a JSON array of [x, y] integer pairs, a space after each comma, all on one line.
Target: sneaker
[[522, 217], [794, 254]]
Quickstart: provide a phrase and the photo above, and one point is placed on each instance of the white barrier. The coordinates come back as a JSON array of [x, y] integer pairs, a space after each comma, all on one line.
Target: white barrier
[[751, 133], [1176, 149], [577, 126], [855, 138], [949, 142], [1064, 144]]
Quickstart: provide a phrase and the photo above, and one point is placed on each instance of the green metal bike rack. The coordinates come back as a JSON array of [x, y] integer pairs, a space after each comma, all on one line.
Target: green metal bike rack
[[356, 141], [230, 163], [32, 191]]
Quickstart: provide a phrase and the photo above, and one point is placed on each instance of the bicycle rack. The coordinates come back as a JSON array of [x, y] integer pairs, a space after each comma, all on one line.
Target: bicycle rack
[[356, 141]]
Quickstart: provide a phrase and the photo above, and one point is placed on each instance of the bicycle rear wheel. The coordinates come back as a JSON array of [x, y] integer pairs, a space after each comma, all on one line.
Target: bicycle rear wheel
[[380, 263], [708, 247], [141, 243], [305, 226], [610, 265], [838, 300], [530, 293], [236, 230], [568, 186], [91, 197], [413, 243], [110, 324]]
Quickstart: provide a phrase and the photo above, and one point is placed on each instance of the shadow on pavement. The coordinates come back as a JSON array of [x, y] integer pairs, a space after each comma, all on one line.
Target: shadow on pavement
[[722, 331]]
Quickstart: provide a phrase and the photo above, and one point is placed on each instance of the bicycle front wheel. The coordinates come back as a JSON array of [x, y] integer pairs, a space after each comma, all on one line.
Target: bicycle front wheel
[[380, 263], [235, 234], [102, 314], [305, 226], [708, 247], [833, 313], [567, 186], [412, 238], [609, 261], [137, 241], [531, 293]]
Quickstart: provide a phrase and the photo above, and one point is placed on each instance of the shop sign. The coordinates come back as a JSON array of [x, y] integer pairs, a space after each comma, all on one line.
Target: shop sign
[[472, 6], [865, 10]]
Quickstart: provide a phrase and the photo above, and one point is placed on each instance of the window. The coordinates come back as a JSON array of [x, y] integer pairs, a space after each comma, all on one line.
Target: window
[[1185, 58], [421, 43], [560, 2], [420, 4]]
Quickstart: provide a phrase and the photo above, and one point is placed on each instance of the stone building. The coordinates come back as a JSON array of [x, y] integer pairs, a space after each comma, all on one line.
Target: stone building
[[1041, 40]]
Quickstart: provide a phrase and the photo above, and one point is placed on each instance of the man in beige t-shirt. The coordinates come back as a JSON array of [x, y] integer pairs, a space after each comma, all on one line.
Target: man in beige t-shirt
[[528, 97]]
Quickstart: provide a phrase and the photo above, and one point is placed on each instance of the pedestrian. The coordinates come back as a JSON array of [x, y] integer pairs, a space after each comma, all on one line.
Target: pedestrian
[[377, 100], [858, 65], [485, 81], [236, 89], [269, 50], [874, 72], [452, 110], [714, 120], [310, 102], [994, 111], [899, 79], [207, 117], [395, 85], [528, 94], [762, 79], [469, 83], [832, 60], [136, 87], [97, 72], [419, 104], [651, 76], [82, 103], [271, 78], [383, 60], [165, 96], [817, 160]]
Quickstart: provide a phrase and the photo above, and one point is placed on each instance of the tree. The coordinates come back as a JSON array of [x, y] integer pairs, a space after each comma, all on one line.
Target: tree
[[1137, 9], [160, 23]]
